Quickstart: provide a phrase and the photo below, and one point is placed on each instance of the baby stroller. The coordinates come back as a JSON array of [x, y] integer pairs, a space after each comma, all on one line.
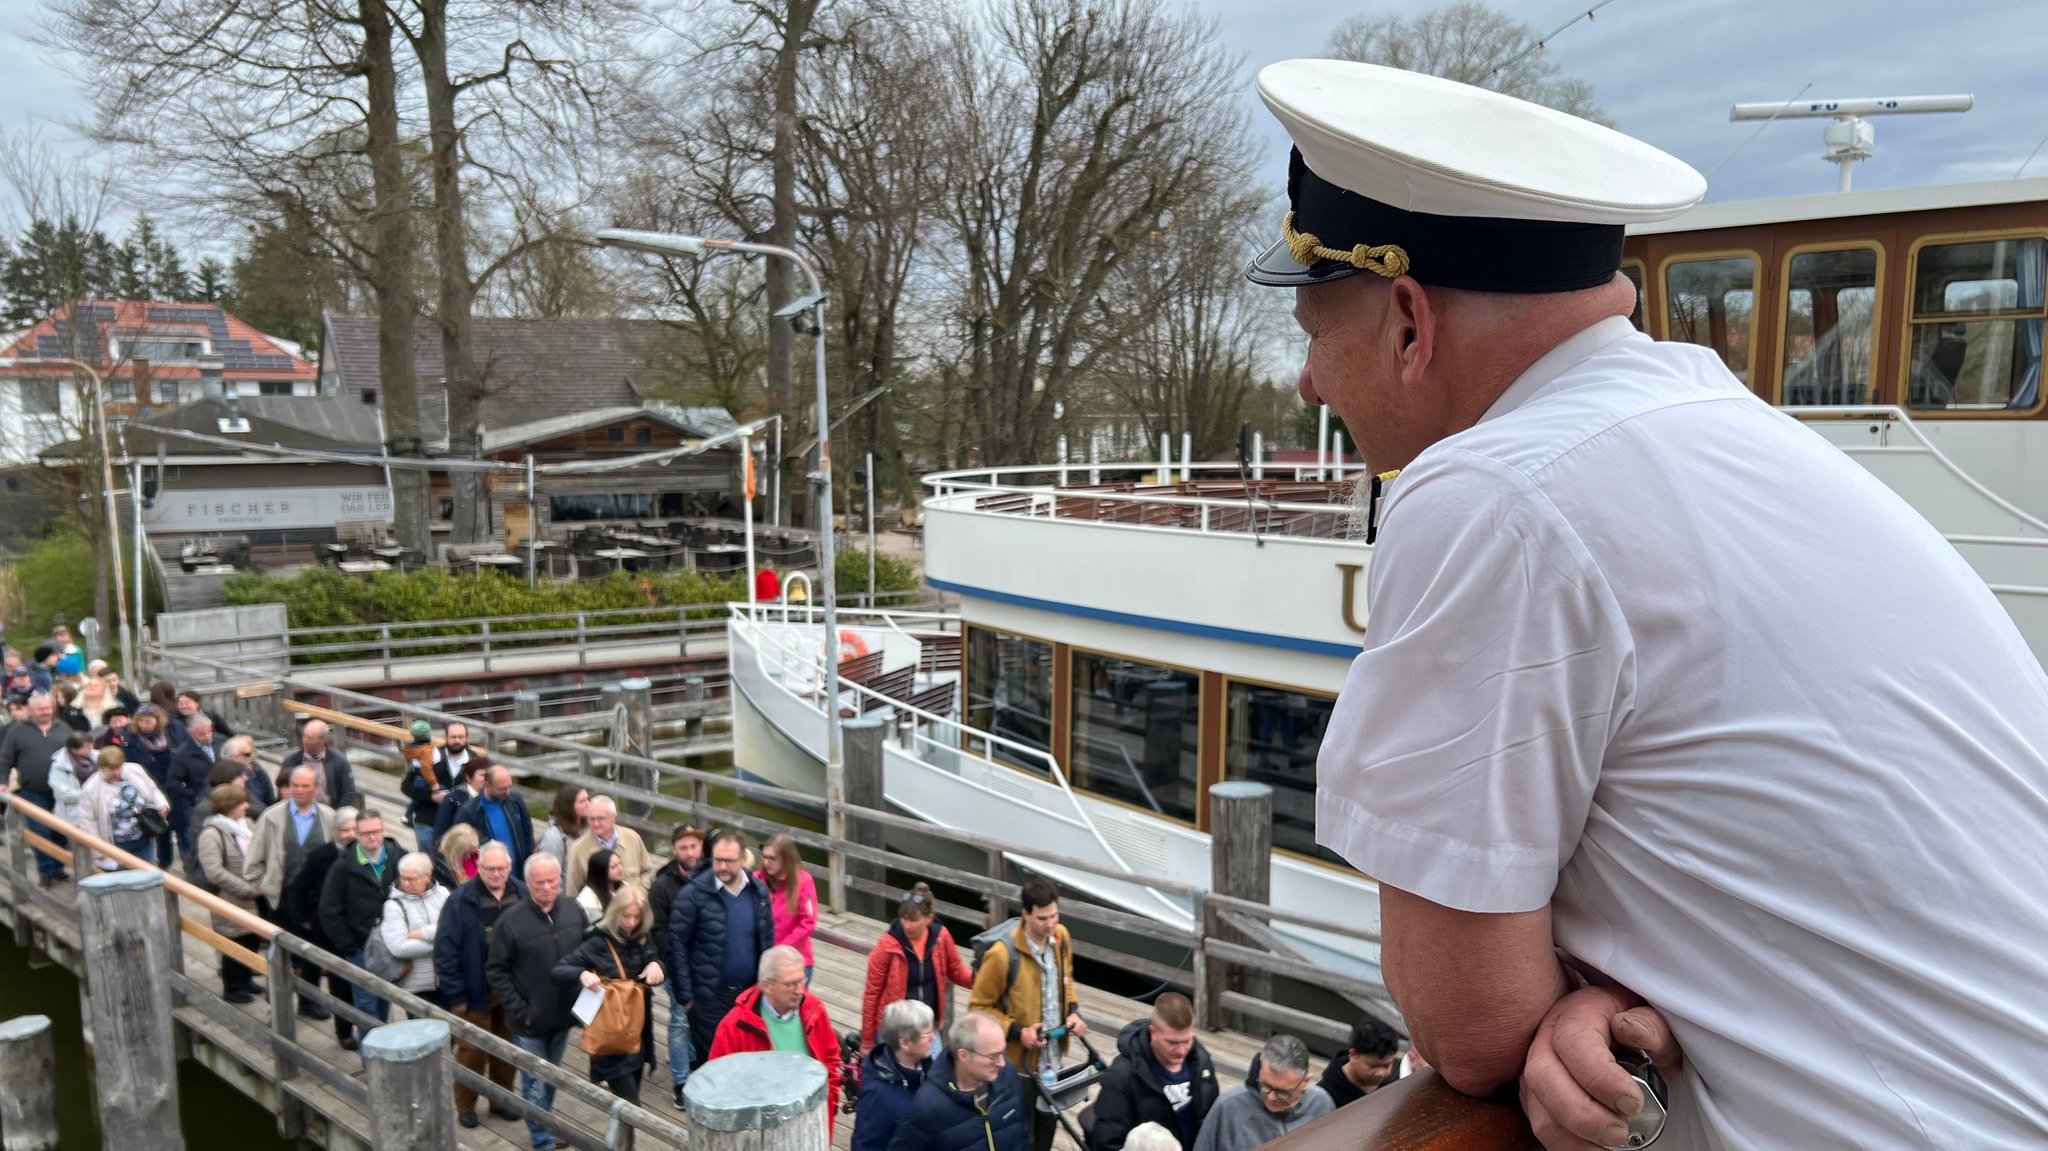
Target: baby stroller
[[1070, 1086]]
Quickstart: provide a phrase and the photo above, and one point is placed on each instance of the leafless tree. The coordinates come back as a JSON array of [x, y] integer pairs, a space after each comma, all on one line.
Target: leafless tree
[[1078, 132], [503, 87], [286, 101], [1470, 42]]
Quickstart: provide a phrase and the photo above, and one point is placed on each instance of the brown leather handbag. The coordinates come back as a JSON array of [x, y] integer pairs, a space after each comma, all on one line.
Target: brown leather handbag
[[615, 1030]]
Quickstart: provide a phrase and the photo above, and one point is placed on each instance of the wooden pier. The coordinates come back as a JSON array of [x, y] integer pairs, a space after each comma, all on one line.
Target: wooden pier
[[322, 1096]]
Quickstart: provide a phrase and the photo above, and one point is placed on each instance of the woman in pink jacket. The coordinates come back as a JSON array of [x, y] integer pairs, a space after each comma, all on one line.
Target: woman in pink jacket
[[792, 895]]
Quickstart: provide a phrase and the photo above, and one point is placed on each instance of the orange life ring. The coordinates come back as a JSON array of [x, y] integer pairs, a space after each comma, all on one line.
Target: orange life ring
[[851, 646]]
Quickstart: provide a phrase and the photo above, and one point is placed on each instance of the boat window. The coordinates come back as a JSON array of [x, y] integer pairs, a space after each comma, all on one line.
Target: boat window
[[1271, 736], [1829, 338], [1009, 693], [1976, 325], [1639, 317], [1710, 304], [1135, 733]]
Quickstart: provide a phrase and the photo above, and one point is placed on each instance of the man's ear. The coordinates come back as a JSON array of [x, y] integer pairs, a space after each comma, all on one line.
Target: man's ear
[[1412, 323]]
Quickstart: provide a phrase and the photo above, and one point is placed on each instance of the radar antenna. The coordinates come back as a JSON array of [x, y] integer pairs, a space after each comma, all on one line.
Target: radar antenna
[[1851, 137]]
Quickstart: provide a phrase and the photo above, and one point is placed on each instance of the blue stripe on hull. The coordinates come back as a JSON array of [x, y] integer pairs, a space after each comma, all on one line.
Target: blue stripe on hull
[[1204, 631]]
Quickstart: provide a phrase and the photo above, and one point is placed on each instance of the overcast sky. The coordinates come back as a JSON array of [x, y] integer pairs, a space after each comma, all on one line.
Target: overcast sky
[[1664, 70]]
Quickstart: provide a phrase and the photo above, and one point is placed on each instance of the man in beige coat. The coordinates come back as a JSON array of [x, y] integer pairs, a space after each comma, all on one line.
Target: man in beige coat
[[602, 830], [285, 834]]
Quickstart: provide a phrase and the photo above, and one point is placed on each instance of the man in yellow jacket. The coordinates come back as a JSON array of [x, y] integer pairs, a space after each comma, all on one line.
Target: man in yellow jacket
[[1024, 981]]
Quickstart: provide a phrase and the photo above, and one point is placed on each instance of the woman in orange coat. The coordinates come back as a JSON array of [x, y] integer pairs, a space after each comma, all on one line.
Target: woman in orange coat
[[915, 959]]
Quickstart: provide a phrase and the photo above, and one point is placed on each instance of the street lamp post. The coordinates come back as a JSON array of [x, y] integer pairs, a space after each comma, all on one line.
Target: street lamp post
[[669, 244], [99, 408]]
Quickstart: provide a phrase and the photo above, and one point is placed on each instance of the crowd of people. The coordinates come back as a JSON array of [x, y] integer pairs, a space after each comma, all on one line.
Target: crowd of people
[[506, 928]]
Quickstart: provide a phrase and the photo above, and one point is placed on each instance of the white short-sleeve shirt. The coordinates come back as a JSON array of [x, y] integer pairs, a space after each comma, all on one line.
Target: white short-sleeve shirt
[[1645, 650]]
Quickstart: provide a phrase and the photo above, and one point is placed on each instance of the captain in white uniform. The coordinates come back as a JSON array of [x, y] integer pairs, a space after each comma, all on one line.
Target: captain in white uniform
[[1674, 729]]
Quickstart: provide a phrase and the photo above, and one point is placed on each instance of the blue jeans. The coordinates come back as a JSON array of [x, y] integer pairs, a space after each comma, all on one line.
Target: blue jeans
[[365, 1002], [536, 1090], [423, 835], [44, 864], [678, 1036]]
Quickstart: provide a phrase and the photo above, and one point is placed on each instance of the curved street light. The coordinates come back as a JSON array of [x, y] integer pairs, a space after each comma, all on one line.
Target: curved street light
[[672, 244]]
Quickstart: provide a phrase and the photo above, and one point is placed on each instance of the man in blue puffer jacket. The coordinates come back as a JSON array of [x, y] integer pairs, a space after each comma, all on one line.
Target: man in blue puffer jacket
[[971, 1100], [718, 928], [460, 947]]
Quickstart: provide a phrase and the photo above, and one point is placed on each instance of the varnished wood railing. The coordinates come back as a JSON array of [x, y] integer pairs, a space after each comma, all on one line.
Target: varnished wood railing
[[1418, 1113]]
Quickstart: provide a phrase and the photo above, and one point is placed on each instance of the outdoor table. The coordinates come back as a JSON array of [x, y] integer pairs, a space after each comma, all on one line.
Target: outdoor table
[[363, 567]]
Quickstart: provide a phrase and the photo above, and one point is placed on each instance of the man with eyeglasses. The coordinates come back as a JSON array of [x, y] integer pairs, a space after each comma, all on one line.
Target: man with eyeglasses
[[777, 1014], [972, 1100], [1275, 1098], [718, 929]]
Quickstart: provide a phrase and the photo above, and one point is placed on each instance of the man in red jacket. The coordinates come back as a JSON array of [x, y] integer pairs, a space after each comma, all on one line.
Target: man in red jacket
[[777, 1014]]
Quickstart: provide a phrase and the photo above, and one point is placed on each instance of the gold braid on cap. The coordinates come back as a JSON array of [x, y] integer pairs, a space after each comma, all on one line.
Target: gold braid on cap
[[1389, 260]]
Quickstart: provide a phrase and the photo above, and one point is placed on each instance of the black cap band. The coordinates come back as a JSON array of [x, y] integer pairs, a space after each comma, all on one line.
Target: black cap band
[[1343, 233]]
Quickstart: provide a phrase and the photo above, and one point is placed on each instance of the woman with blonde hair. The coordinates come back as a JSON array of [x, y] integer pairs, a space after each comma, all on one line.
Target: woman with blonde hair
[[792, 895], [619, 949], [455, 856], [92, 701], [110, 805]]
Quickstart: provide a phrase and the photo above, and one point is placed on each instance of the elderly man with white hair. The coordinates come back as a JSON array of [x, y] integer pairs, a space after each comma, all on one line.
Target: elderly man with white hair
[[1614, 740], [337, 780], [779, 1014], [893, 1072], [411, 913], [602, 832], [528, 941]]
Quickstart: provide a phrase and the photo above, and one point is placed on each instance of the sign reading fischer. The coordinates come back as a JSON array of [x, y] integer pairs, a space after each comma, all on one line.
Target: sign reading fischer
[[278, 508]]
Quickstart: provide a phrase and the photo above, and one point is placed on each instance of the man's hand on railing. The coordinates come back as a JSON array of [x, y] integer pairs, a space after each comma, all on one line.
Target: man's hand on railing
[[1575, 1094]]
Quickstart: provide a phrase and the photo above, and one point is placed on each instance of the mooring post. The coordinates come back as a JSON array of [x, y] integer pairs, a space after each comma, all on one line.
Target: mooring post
[[525, 713], [1241, 866], [611, 699], [284, 1022], [638, 696], [759, 1101], [127, 941], [693, 694], [21, 862], [864, 739], [411, 1077], [28, 1085]]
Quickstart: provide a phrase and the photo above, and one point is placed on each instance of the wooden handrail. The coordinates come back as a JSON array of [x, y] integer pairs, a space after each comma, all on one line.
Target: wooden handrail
[[1418, 1113], [335, 718], [249, 921]]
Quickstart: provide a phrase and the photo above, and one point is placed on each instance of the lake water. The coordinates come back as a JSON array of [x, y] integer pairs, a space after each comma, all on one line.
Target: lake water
[[215, 1116]]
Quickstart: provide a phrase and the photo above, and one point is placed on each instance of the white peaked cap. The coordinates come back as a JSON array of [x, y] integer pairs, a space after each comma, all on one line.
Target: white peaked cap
[[1396, 160]]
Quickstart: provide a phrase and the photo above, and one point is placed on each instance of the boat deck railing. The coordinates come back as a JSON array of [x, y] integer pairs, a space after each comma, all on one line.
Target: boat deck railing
[[1210, 498]]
